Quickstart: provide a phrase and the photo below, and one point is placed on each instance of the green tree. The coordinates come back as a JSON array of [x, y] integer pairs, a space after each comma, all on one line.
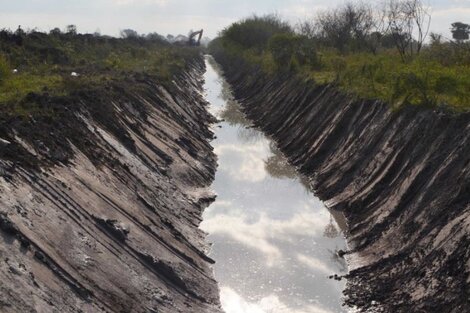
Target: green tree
[[129, 33], [460, 31], [255, 32], [71, 29], [290, 50]]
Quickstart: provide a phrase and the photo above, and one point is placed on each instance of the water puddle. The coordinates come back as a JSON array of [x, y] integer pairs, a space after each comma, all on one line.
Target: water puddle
[[274, 242]]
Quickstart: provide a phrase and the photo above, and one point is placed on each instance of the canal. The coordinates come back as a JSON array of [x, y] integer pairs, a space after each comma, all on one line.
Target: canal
[[274, 242]]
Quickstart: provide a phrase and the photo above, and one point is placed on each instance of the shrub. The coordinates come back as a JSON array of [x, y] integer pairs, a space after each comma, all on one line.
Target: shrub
[[410, 87], [282, 47], [45, 61], [439, 75], [448, 53], [255, 32], [445, 84], [5, 71], [306, 52], [290, 50]]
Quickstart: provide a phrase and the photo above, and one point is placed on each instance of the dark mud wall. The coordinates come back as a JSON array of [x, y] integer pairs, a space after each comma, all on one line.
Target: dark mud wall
[[401, 178], [101, 195]]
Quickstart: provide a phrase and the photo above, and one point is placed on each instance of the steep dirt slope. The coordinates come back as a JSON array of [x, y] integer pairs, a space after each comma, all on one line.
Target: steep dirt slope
[[401, 178], [101, 195]]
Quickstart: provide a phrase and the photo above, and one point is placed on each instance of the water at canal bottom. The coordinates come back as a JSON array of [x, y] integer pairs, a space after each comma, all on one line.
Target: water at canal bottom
[[274, 242]]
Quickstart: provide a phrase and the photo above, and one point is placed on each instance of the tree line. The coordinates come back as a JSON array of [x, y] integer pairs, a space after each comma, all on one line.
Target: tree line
[[378, 51], [360, 26]]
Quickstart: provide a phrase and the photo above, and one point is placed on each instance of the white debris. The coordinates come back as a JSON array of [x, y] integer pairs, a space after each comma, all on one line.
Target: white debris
[[15, 71], [74, 74]]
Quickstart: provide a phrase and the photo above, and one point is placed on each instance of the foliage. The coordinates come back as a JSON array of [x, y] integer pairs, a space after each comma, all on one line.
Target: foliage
[[4, 69], [408, 21], [420, 82], [346, 28], [18, 86], [44, 62], [289, 50], [448, 53], [439, 75], [460, 31], [255, 32]]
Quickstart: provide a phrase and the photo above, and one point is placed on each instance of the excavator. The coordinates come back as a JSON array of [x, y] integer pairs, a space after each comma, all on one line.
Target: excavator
[[192, 38]]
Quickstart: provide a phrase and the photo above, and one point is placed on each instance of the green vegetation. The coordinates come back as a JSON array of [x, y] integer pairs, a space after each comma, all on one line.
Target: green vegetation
[[4, 69], [292, 51], [345, 47], [423, 80], [37, 62]]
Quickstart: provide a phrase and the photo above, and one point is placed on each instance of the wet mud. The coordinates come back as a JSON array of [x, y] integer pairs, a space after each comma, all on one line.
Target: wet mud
[[101, 196]]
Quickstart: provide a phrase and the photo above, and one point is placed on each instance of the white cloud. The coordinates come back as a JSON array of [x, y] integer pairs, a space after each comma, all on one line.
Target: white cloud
[[216, 206], [127, 2], [297, 12], [258, 235], [178, 16], [314, 263], [246, 161], [232, 302], [452, 13]]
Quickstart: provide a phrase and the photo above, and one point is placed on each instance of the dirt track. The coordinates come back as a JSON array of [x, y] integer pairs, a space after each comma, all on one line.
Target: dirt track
[[401, 178]]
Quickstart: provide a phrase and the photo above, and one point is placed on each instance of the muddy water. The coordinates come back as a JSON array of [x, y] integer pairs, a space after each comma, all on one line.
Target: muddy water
[[273, 241]]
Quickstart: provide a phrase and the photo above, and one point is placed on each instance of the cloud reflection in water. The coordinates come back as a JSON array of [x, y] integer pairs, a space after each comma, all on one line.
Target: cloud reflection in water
[[232, 302], [245, 162], [257, 235], [274, 243]]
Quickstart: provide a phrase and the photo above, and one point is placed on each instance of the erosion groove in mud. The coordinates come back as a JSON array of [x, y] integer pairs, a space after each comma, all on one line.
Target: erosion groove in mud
[[99, 208], [401, 178]]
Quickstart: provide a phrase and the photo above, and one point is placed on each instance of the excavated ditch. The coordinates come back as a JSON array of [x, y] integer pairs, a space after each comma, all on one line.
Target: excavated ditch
[[102, 193], [402, 179], [101, 196]]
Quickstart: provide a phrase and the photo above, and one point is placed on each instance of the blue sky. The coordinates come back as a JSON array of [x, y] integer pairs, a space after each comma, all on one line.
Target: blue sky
[[179, 16]]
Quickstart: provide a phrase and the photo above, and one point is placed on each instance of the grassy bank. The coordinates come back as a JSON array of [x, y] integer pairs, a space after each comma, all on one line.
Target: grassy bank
[[43, 63], [438, 76]]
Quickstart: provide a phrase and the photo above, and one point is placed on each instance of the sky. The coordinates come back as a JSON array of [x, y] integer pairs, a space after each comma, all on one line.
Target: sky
[[175, 17]]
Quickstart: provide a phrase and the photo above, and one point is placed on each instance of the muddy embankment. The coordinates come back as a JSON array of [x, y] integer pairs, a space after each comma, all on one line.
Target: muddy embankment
[[401, 178], [101, 195]]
